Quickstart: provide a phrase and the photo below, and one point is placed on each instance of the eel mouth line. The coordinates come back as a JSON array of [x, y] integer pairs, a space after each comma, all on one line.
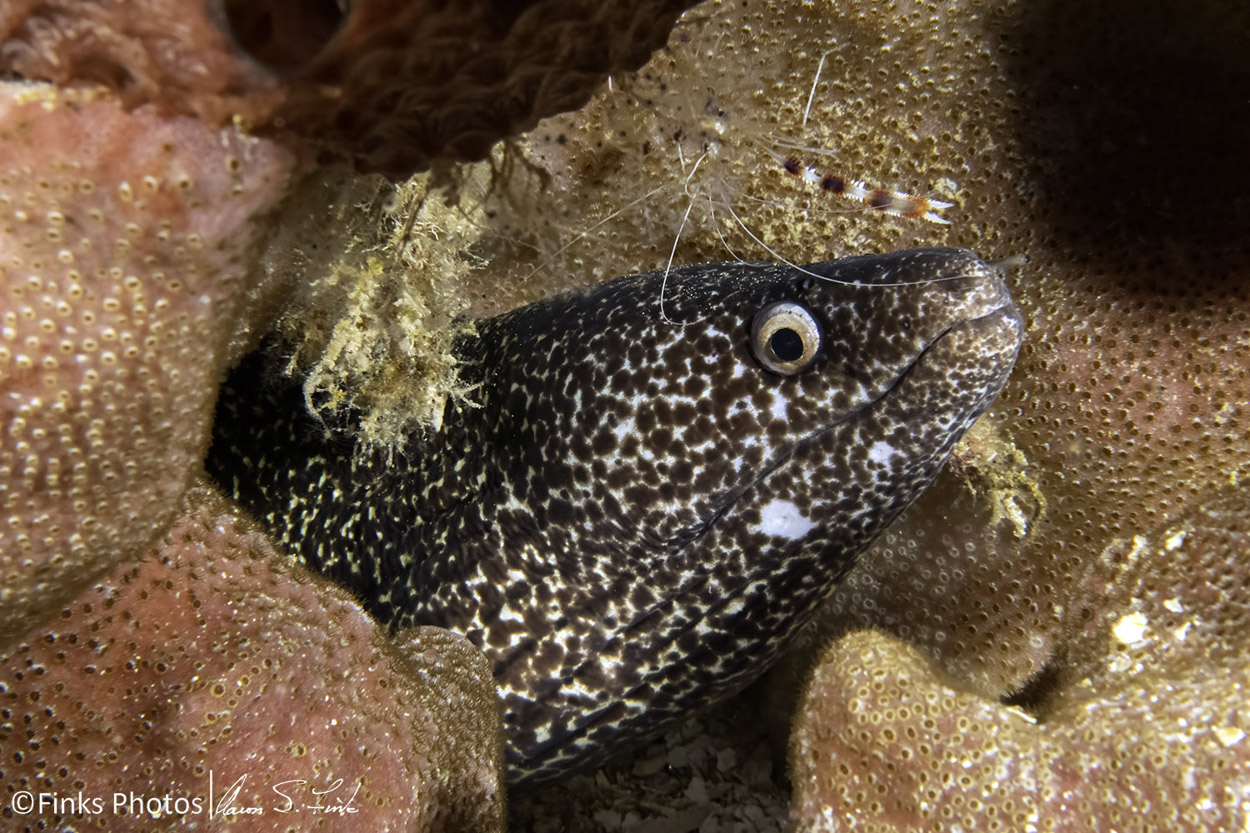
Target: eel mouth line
[[699, 580], [732, 498]]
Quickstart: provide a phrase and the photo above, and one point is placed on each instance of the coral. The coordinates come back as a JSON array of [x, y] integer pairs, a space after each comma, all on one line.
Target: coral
[[666, 158], [886, 742], [211, 657], [123, 247], [1144, 726], [1128, 401], [1067, 136], [1127, 404], [949, 574], [1153, 606], [128, 233], [394, 85]]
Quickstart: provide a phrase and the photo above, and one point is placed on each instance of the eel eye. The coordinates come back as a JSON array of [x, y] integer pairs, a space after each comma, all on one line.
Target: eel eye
[[785, 338]]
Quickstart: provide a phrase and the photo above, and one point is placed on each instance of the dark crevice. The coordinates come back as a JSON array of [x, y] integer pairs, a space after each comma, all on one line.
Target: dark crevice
[[1037, 689], [285, 36], [1134, 115]]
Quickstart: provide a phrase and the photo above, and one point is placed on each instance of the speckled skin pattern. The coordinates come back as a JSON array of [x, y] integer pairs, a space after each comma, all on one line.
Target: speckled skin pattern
[[634, 515]]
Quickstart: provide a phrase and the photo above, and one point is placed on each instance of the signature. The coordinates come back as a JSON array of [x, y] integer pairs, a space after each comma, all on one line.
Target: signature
[[296, 795]]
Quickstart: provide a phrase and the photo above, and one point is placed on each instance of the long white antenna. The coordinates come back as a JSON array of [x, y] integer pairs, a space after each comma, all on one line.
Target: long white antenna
[[815, 81]]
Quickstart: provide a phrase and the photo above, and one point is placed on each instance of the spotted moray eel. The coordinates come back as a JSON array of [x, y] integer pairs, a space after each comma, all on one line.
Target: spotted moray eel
[[636, 513]]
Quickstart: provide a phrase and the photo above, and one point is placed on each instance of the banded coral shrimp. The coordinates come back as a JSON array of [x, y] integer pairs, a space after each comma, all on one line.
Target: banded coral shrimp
[[721, 148], [679, 163]]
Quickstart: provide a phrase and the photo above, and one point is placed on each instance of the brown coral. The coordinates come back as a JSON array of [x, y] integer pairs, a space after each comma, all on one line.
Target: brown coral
[[212, 659], [1127, 407], [1144, 728], [1128, 400], [123, 241], [393, 84]]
